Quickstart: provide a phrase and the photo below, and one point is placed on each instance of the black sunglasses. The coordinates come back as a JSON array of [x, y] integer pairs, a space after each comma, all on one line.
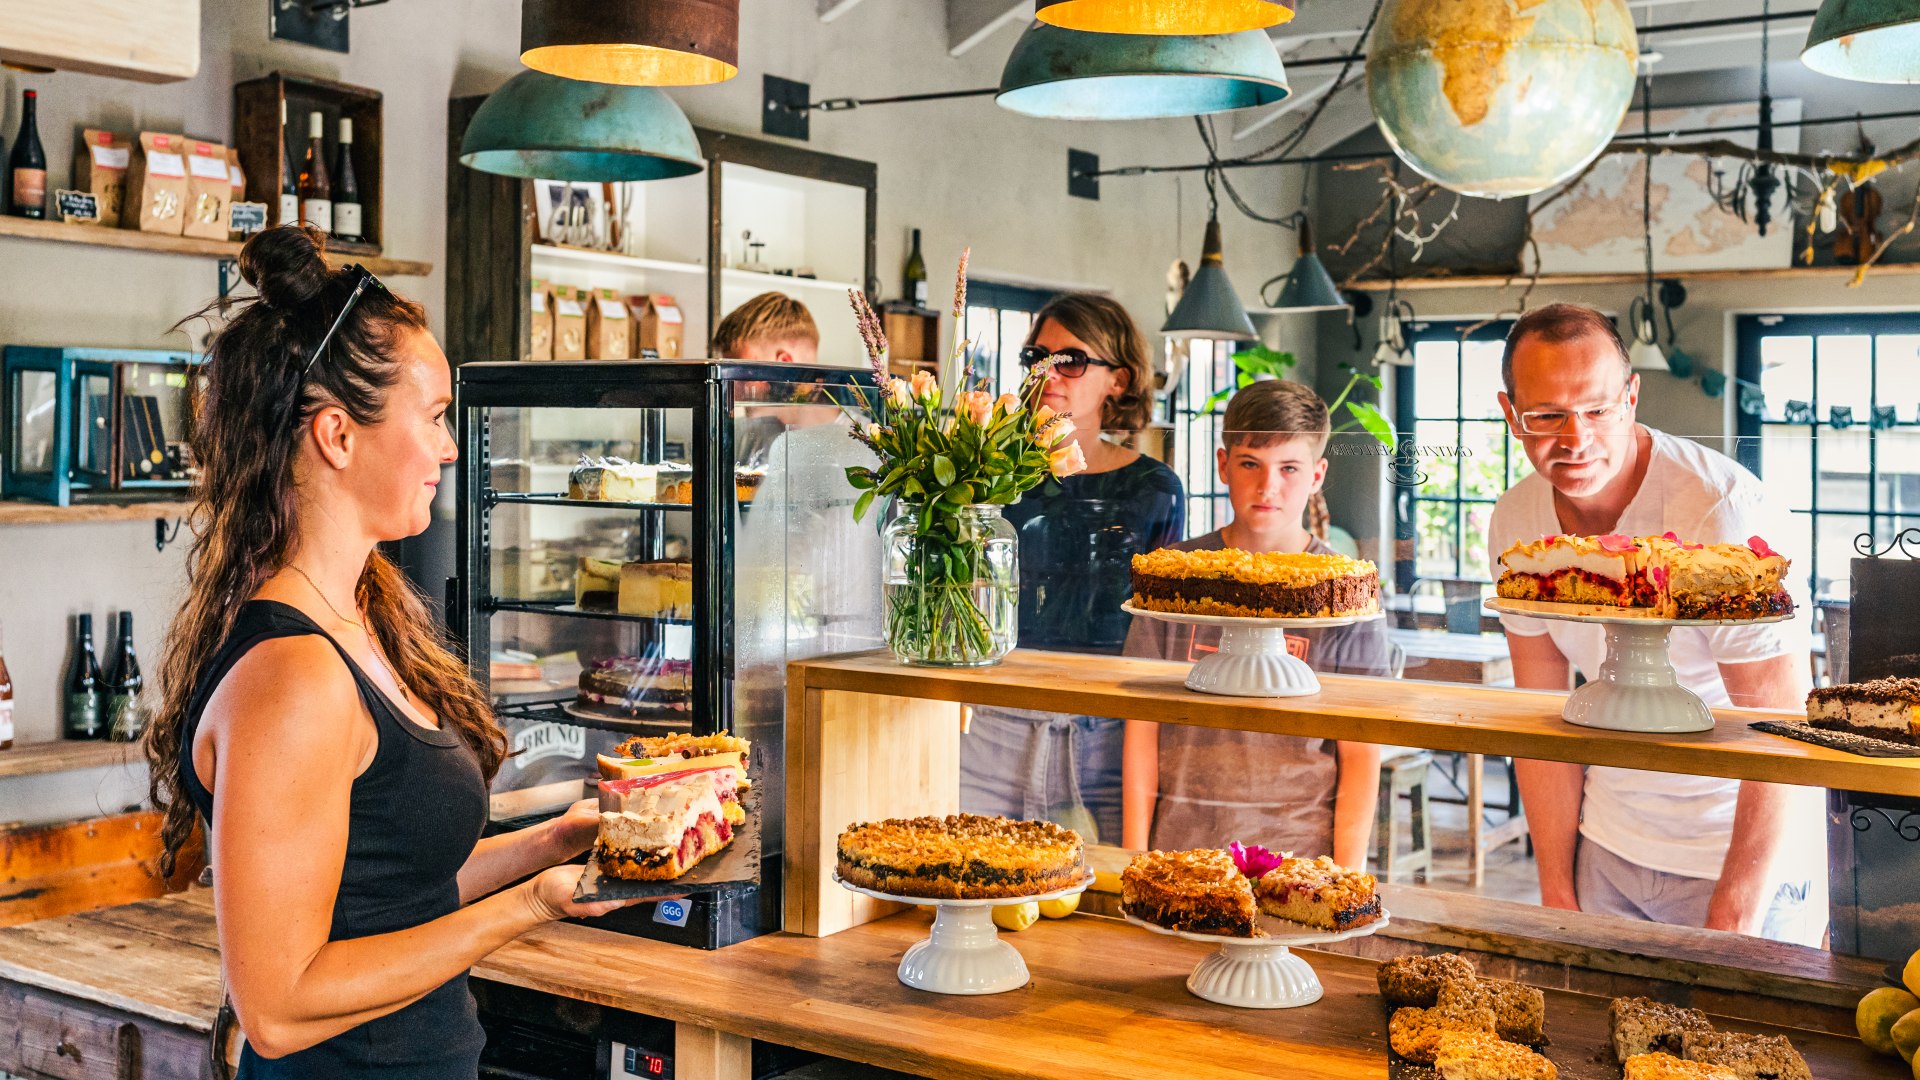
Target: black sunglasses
[[1070, 363], [362, 277]]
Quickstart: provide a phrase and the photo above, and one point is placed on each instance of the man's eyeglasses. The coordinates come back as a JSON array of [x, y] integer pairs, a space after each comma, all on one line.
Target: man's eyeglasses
[[362, 277], [1558, 421], [1070, 363]]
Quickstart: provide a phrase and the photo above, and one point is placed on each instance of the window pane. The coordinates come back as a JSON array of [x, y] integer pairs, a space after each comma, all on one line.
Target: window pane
[[1786, 372], [1439, 469], [1835, 535], [1473, 546], [1897, 363], [1434, 544], [1843, 468], [1846, 374], [1786, 463], [1013, 334], [1519, 465], [1480, 382], [1482, 472], [1797, 546], [1897, 453], [1436, 383]]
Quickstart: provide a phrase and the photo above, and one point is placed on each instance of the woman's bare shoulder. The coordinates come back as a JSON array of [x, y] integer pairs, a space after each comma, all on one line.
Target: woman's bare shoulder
[[294, 690]]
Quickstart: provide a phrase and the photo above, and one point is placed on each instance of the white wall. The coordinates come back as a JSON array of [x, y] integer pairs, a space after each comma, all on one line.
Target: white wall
[[964, 171]]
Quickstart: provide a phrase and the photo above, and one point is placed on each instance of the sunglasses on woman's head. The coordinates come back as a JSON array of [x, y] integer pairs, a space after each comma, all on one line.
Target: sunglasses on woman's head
[[1070, 363], [362, 277]]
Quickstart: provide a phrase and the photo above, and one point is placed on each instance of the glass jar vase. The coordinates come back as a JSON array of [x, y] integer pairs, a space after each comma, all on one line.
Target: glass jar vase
[[952, 585]]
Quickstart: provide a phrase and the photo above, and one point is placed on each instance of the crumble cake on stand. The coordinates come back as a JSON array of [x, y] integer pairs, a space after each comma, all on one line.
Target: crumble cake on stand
[[1254, 598]]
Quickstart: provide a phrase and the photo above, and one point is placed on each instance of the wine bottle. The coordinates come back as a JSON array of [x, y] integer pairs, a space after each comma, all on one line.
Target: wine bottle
[[316, 190], [289, 181], [126, 717], [28, 165], [84, 689], [6, 699], [916, 276], [346, 187]]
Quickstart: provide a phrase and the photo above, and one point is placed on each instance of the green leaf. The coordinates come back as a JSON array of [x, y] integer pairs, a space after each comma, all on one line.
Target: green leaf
[[915, 488], [1371, 419], [859, 477], [943, 470], [861, 504]]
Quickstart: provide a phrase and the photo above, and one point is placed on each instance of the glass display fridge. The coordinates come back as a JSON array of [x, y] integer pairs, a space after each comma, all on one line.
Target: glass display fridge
[[597, 600]]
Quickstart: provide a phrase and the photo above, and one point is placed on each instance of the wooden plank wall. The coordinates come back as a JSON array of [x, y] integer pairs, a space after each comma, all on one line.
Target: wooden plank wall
[[49, 870]]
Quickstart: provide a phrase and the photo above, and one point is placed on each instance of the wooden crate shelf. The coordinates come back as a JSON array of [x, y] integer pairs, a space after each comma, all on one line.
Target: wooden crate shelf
[[134, 240], [35, 759], [38, 513]]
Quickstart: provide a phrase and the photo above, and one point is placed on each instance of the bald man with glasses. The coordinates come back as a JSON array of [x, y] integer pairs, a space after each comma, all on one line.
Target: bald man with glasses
[[1663, 847]]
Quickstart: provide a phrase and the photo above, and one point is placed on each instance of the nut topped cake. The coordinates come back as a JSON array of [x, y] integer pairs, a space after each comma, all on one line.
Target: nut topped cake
[[1318, 892], [1466, 1055], [960, 857], [1750, 1057], [1243, 584], [1881, 709], [1668, 1067], [1199, 892], [1416, 980], [1642, 1025]]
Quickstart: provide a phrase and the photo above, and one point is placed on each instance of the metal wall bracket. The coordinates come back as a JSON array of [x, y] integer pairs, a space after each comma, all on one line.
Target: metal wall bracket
[[785, 108], [229, 270], [1083, 175]]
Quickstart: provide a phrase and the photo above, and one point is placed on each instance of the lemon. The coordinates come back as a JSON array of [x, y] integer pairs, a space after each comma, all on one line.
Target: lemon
[[1911, 973], [1876, 1013], [1016, 917], [1905, 1034], [1065, 906]]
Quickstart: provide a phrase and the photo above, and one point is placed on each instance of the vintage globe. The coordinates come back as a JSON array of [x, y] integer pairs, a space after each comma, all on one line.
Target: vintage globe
[[1501, 97]]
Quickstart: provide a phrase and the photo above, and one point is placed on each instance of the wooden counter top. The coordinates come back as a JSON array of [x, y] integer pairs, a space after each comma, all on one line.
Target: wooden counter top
[[1438, 716]]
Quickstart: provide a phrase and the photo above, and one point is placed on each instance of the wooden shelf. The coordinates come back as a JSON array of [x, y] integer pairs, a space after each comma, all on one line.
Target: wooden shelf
[[36, 759], [134, 240], [1438, 716], [1519, 281], [777, 281], [596, 257], [37, 513]]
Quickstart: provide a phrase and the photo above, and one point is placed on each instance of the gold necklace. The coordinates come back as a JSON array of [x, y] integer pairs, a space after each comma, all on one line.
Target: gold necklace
[[362, 627]]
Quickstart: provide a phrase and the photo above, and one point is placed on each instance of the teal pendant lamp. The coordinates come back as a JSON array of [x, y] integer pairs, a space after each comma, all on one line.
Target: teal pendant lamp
[[1072, 75], [543, 126], [1210, 309], [1866, 40], [1309, 287]]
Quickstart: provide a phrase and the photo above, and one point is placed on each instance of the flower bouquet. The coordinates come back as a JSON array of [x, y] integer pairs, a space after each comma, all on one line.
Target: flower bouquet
[[952, 580]]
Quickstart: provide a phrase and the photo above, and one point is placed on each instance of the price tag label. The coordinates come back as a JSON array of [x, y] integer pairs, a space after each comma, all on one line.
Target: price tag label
[[246, 218], [76, 205]]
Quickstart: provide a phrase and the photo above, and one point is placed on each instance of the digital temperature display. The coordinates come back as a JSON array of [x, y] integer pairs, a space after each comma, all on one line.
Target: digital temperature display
[[638, 1061]]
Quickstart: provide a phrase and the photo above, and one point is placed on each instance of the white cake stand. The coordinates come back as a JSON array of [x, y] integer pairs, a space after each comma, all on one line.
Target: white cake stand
[[1636, 689], [1262, 972], [963, 954], [1253, 660]]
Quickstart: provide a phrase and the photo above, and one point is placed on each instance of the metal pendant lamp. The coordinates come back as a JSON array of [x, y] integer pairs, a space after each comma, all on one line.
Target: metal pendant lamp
[[1309, 287], [1069, 75], [542, 126], [1866, 40], [1166, 17], [632, 42], [1210, 308]]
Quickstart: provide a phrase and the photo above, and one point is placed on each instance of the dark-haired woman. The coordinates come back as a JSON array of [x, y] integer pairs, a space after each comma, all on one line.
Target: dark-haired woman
[[310, 714], [1078, 537]]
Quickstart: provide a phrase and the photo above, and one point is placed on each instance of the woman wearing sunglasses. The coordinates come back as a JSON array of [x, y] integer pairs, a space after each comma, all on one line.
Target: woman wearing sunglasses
[[1078, 537], [311, 713]]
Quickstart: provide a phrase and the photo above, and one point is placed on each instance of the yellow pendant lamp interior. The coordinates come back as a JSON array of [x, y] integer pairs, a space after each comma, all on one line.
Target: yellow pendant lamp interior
[[632, 42], [1183, 17]]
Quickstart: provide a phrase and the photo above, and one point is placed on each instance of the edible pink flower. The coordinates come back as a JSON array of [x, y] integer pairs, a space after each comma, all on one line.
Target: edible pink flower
[[925, 386], [1254, 860], [977, 406], [1616, 542], [1551, 537], [1760, 548], [1067, 461], [1684, 545], [1659, 575]]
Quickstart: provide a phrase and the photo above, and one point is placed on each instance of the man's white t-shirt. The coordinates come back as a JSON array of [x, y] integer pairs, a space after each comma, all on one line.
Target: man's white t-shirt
[[1672, 822]]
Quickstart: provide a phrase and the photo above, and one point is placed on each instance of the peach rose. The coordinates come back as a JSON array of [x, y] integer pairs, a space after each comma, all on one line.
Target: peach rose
[[1008, 404], [1066, 461], [977, 406], [925, 386], [899, 393]]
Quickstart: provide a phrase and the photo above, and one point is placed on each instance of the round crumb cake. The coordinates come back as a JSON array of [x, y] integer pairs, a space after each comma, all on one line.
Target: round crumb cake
[[1259, 585], [1200, 891], [960, 857]]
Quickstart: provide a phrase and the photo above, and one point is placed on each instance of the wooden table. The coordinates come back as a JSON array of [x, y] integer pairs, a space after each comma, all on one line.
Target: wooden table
[[1437, 656]]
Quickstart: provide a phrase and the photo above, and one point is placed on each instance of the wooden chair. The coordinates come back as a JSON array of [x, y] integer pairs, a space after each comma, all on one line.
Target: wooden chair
[[1403, 773]]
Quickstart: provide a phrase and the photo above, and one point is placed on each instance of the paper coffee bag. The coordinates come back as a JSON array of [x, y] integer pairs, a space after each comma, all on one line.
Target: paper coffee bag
[[609, 333], [540, 308], [157, 185], [100, 161], [209, 189], [569, 323]]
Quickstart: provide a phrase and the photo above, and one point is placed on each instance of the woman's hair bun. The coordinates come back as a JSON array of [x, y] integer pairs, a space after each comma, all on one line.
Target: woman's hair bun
[[284, 266]]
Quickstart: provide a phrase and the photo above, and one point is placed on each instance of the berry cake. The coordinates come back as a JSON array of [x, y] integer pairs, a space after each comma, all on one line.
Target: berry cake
[[1673, 578]]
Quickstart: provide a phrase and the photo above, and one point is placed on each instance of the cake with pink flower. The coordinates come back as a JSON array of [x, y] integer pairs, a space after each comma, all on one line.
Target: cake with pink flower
[[1673, 578]]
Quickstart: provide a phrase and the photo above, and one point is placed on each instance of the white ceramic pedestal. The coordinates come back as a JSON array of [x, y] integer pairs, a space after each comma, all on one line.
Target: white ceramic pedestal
[[1260, 973], [1636, 688], [1252, 660], [963, 953]]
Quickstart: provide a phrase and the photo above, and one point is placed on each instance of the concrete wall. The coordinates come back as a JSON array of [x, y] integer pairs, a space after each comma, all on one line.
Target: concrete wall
[[965, 171]]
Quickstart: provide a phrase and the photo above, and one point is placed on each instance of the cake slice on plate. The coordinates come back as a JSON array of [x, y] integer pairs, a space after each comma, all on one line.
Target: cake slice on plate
[[1881, 709], [658, 828], [1199, 891], [1319, 893], [1605, 570]]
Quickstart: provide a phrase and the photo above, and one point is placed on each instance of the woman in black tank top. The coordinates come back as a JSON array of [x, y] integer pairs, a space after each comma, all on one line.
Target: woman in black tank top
[[311, 714]]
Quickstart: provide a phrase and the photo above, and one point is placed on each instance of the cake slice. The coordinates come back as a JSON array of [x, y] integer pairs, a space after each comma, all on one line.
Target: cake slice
[[1641, 1026], [596, 584], [1415, 1033], [633, 684], [1519, 1011], [1667, 1067], [656, 829], [1319, 893], [1750, 1057], [684, 745], [1478, 1056], [611, 479], [1415, 980], [1199, 891], [1881, 709], [661, 589], [1604, 570], [1715, 581]]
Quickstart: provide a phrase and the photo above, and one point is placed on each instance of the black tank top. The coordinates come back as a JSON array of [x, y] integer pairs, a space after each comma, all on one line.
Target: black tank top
[[417, 812]]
